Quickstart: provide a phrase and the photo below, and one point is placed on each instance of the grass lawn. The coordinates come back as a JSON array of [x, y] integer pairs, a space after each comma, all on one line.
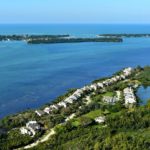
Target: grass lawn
[[76, 123], [93, 114], [111, 94]]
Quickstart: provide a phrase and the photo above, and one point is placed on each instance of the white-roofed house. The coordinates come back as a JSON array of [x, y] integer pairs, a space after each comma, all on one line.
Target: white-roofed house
[[100, 85], [100, 119], [118, 78], [25, 130], [47, 110], [68, 100], [94, 87], [107, 82], [74, 98], [127, 71], [54, 107], [114, 79], [79, 91], [39, 113], [33, 126], [86, 88], [110, 81], [76, 95], [123, 77], [62, 104]]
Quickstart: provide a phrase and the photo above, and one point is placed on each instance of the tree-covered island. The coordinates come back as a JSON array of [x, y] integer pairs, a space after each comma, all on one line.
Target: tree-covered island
[[104, 115], [53, 39], [50, 39]]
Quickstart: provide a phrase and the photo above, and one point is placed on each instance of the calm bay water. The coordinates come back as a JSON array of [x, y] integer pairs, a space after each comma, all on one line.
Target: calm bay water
[[32, 75]]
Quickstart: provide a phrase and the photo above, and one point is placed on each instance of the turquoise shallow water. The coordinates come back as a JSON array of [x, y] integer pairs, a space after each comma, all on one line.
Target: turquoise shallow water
[[32, 75]]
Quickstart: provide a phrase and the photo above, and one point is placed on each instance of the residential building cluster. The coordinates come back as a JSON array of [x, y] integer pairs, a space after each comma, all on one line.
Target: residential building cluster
[[130, 98], [79, 93], [112, 99], [31, 128]]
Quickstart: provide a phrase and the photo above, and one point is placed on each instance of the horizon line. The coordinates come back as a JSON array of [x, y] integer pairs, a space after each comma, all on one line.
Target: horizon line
[[54, 23]]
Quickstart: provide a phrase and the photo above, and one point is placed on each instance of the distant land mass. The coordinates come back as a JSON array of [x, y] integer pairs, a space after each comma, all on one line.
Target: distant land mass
[[124, 35], [49, 39]]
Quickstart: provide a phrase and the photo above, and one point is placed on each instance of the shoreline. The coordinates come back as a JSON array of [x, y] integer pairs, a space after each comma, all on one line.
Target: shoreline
[[59, 98]]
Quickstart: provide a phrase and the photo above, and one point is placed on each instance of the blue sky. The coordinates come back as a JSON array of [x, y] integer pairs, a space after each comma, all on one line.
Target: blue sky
[[75, 11]]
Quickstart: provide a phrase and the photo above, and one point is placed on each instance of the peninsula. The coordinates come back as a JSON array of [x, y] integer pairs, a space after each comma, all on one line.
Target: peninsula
[[102, 115]]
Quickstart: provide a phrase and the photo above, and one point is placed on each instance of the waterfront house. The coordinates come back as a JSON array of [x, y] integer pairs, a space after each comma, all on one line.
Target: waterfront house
[[111, 81], [47, 110], [39, 113], [105, 83], [78, 91], [108, 82], [118, 78], [62, 104], [76, 95], [114, 79], [93, 87], [86, 88], [73, 98], [127, 71], [123, 77], [100, 85], [68, 100], [52, 107]]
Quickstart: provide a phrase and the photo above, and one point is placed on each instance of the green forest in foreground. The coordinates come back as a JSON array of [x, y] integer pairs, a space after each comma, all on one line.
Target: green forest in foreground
[[125, 128]]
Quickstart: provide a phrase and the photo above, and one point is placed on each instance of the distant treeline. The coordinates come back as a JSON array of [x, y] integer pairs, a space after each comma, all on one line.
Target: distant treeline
[[72, 40], [124, 35], [49, 39]]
